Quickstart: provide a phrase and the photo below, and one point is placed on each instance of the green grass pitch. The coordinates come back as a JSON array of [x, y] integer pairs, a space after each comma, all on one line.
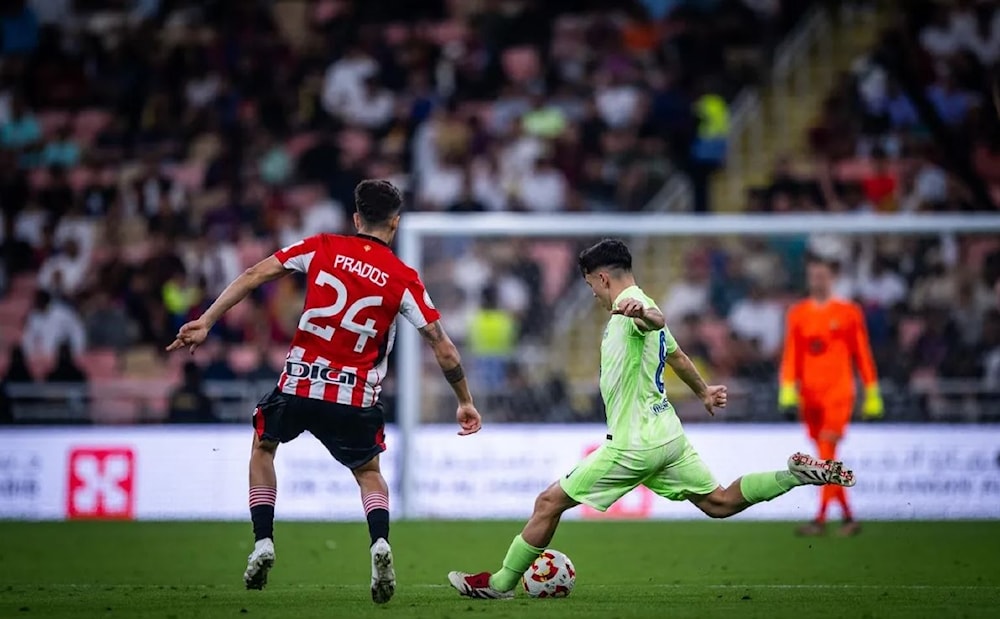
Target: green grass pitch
[[625, 570]]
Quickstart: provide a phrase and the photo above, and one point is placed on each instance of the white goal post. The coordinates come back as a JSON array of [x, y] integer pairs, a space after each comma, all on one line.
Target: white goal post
[[416, 227]]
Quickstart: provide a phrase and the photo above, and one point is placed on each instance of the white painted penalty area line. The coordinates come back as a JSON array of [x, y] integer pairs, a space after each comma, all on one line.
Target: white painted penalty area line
[[830, 586]]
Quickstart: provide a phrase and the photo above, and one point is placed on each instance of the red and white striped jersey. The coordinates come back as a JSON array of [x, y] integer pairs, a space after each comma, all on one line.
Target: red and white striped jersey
[[355, 288]]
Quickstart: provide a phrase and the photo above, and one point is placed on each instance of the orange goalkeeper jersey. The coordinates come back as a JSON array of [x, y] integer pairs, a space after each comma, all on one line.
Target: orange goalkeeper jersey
[[824, 342]]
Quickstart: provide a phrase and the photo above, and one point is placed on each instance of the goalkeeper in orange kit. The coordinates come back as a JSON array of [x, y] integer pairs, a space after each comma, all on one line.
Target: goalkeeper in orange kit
[[825, 340]]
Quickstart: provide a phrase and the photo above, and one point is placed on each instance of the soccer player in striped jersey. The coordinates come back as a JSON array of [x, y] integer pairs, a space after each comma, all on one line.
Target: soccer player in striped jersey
[[334, 369]]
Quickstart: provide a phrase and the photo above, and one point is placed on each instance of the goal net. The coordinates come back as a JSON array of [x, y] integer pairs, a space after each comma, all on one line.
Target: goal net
[[529, 329]]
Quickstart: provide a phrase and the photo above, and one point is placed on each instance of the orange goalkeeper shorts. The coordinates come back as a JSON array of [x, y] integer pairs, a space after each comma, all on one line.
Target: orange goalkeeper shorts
[[827, 418]]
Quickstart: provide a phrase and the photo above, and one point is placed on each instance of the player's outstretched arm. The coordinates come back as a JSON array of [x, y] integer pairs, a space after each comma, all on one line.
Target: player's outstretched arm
[[712, 396], [645, 318], [194, 333], [450, 363]]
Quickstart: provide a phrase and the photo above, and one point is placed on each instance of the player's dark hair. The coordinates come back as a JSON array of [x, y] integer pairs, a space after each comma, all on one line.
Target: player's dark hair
[[609, 253], [377, 201], [829, 261]]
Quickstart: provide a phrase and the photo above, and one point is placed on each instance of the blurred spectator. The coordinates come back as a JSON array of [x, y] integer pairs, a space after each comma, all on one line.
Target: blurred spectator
[[57, 197], [941, 38], [543, 189], [21, 132], [188, 403], [344, 82], [951, 103], [759, 319], [107, 323], [492, 339], [64, 273], [544, 120], [930, 188], [690, 295], [219, 369], [63, 151], [100, 195], [49, 324], [66, 369], [6, 407], [880, 285], [371, 108], [150, 190], [17, 368], [18, 28], [879, 184], [217, 263], [991, 348], [466, 202]]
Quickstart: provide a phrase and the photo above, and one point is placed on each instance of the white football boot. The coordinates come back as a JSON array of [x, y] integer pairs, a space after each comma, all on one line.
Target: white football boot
[[815, 472], [477, 586], [383, 575], [259, 563]]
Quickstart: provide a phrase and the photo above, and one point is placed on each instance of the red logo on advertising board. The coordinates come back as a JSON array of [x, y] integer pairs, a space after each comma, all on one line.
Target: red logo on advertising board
[[101, 483], [636, 505]]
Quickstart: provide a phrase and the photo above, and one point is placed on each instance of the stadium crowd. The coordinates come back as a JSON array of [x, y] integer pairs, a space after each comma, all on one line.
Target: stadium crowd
[[879, 145], [151, 149]]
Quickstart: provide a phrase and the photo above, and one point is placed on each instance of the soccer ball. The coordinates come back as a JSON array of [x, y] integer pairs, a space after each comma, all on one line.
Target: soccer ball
[[551, 575]]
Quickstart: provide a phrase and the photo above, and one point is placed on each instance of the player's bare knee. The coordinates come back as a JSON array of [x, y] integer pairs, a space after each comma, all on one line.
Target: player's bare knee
[[264, 448], [717, 510]]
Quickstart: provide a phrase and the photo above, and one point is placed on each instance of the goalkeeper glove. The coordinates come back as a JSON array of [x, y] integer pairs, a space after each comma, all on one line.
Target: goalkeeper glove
[[788, 401], [872, 408]]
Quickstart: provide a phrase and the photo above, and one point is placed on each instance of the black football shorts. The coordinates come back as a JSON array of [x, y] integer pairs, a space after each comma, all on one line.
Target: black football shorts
[[352, 435]]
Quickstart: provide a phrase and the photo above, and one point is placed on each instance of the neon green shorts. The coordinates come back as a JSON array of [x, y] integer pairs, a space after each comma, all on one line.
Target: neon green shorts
[[674, 471]]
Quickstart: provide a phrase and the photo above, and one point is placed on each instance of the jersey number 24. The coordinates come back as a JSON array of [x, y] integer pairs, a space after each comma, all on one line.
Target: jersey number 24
[[349, 321]]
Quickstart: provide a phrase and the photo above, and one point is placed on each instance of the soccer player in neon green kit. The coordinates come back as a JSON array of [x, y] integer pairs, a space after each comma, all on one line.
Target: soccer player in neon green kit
[[645, 443]]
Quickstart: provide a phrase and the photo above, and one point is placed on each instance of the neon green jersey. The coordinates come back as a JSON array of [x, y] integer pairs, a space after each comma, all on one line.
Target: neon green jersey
[[632, 364]]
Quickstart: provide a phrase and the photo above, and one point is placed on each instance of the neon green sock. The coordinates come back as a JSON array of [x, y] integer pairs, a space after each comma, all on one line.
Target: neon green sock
[[760, 487], [519, 557]]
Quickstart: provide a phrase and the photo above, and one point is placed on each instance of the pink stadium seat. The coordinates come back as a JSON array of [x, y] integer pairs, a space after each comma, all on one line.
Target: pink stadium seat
[[79, 177], [251, 252], [395, 34], [910, 330], [243, 359], [38, 179], [26, 282], [521, 64], [716, 335], [99, 364], [89, 123], [191, 175], [446, 32], [135, 253], [555, 259], [976, 250], [112, 403], [300, 143], [355, 144], [276, 357], [40, 365], [325, 10], [860, 167], [51, 121]]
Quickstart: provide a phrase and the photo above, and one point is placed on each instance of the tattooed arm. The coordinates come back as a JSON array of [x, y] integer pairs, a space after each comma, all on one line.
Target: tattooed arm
[[451, 366]]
